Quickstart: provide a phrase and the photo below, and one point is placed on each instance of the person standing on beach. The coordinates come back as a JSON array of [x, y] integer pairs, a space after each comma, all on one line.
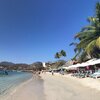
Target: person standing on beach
[[52, 72]]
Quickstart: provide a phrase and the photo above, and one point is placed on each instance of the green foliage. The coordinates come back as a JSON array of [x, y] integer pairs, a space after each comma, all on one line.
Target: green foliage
[[60, 54], [57, 55], [63, 53], [89, 38], [56, 64]]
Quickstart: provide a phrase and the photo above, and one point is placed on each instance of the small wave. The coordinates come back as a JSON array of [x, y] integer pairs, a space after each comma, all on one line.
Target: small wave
[[12, 80]]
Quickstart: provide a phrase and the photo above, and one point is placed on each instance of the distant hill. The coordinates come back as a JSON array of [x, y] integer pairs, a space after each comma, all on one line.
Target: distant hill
[[37, 65], [21, 66], [5, 63], [13, 66]]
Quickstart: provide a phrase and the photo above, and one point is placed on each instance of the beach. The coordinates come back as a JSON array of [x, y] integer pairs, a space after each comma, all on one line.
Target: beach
[[54, 87]]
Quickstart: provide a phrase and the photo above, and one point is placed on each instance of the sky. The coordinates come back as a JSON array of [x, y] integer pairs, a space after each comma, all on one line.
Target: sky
[[34, 30]]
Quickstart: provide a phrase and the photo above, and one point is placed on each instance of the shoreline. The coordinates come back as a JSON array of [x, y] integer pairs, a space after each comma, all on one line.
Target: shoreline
[[28, 90], [13, 90], [42, 88]]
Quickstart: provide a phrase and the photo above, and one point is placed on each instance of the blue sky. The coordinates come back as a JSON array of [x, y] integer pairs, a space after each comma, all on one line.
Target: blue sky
[[34, 30]]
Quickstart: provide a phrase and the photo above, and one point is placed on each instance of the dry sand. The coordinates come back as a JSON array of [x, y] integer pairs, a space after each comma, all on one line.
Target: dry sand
[[56, 87]]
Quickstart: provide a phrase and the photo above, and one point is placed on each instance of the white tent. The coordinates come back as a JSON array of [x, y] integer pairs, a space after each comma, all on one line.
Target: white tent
[[95, 62], [72, 66], [90, 62], [84, 64]]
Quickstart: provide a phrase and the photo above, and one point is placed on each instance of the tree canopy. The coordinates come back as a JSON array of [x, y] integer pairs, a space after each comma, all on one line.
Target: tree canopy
[[60, 54], [89, 38]]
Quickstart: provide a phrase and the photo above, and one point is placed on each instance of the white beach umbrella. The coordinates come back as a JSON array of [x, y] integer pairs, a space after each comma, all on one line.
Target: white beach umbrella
[[96, 62], [65, 67], [72, 67], [89, 62], [77, 65], [84, 64]]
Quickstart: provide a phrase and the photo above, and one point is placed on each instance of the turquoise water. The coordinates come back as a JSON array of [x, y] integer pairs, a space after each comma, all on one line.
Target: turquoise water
[[12, 80]]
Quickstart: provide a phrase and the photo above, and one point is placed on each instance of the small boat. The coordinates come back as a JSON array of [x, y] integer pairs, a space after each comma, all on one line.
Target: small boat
[[3, 72], [6, 73]]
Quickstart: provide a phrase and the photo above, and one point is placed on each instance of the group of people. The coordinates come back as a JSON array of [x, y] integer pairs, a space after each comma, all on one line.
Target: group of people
[[38, 72], [42, 71]]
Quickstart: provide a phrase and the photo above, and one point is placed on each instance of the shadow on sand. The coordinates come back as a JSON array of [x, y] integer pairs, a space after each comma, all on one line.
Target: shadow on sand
[[39, 87]]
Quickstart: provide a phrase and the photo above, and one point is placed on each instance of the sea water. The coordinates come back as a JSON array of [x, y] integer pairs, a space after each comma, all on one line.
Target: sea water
[[13, 79]]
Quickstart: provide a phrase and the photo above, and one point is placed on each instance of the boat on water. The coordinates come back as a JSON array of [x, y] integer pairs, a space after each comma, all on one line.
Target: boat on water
[[3, 72]]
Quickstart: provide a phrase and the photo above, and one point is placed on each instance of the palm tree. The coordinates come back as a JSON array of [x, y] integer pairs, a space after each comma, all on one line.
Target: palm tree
[[89, 37], [60, 54], [63, 53], [57, 55]]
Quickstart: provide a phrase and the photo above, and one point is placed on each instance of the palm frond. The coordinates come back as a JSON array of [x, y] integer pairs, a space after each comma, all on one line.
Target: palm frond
[[89, 37], [98, 42], [90, 46]]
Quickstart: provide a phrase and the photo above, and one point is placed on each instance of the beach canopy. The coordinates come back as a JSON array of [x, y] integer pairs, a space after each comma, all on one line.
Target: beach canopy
[[71, 67], [95, 62], [89, 62]]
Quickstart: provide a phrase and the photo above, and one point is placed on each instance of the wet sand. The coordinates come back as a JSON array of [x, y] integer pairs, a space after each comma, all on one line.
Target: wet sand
[[57, 87], [31, 90]]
